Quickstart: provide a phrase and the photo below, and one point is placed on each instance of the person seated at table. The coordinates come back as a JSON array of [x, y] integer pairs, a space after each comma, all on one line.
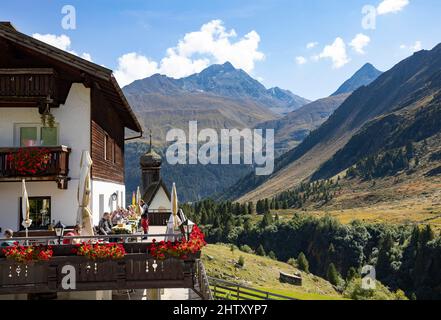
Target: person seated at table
[[116, 216], [8, 235], [76, 232], [105, 225]]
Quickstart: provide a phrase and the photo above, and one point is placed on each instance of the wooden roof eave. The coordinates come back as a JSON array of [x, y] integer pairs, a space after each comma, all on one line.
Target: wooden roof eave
[[136, 125], [55, 53], [94, 70]]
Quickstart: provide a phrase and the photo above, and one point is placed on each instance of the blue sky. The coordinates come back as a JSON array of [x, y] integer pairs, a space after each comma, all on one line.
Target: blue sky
[[269, 40]]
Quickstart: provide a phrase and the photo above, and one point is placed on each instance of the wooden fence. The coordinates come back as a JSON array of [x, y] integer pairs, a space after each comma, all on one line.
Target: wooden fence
[[224, 290]]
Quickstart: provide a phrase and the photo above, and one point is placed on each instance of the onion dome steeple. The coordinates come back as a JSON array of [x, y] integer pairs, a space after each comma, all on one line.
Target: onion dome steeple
[[150, 168], [151, 158]]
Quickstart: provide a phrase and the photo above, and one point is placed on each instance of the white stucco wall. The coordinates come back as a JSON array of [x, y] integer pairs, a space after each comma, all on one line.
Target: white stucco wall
[[63, 202], [73, 119], [105, 190], [160, 201]]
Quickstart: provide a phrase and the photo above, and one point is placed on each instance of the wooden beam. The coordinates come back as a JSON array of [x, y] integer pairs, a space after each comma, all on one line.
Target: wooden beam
[[27, 71], [25, 102]]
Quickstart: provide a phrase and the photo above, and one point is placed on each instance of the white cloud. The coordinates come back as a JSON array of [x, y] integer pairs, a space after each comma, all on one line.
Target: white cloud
[[391, 6], [311, 45], [61, 42], [301, 60], [336, 52], [87, 56], [213, 43], [132, 66], [417, 46], [359, 43]]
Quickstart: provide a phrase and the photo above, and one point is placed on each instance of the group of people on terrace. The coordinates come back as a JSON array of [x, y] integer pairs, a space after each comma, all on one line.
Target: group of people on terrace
[[105, 226]]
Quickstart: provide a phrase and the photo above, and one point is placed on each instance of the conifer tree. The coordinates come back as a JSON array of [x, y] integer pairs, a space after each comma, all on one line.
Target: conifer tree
[[251, 208], [267, 220], [260, 251], [352, 274], [332, 275], [302, 262], [266, 206]]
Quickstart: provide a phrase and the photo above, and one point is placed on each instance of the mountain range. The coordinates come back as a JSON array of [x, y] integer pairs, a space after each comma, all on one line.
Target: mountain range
[[222, 97], [400, 108], [295, 126], [220, 81], [219, 97]]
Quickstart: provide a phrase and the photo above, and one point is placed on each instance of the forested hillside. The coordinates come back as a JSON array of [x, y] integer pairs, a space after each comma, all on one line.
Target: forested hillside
[[194, 182], [405, 257]]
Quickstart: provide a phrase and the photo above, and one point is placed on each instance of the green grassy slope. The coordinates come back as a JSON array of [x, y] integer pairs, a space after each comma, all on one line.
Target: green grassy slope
[[263, 273]]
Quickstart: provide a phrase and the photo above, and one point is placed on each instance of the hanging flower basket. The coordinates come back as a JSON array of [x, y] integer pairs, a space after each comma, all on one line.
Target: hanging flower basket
[[29, 161]]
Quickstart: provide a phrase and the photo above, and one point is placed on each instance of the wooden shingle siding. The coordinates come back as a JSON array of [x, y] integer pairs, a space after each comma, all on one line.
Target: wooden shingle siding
[[108, 161], [106, 169]]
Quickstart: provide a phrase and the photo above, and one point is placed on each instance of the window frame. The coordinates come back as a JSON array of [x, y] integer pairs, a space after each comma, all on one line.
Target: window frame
[[38, 126], [21, 228], [113, 152], [106, 138]]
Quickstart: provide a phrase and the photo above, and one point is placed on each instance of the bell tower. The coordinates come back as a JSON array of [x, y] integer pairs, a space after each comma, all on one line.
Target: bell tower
[[150, 167]]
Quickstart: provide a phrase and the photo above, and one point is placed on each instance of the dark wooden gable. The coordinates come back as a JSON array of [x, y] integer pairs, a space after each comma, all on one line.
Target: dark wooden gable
[[21, 51], [28, 79]]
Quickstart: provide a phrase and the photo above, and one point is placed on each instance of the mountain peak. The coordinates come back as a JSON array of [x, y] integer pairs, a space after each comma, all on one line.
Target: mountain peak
[[215, 69], [368, 67], [363, 77], [222, 80], [228, 66]]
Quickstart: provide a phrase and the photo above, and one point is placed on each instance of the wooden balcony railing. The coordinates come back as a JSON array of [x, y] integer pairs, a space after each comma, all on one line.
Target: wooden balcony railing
[[137, 270], [56, 170], [27, 83]]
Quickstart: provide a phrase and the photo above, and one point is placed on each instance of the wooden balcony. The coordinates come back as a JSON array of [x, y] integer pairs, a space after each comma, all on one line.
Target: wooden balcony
[[137, 270], [27, 87], [56, 170]]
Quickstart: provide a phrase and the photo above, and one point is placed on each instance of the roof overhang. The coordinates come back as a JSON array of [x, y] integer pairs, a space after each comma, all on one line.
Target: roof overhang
[[102, 75]]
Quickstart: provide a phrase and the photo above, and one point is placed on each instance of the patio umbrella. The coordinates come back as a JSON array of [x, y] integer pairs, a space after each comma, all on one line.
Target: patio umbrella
[[84, 215], [25, 209], [172, 231], [174, 205], [138, 201], [133, 198]]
